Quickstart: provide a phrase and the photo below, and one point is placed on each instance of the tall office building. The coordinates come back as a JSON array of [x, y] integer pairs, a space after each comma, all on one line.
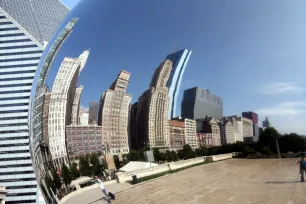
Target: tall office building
[[76, 106], [152, 111], [93, 113], [266, 123], [24, 26], [61, 106], [252, 116], [114, 115], [200, 103], [179, 61]]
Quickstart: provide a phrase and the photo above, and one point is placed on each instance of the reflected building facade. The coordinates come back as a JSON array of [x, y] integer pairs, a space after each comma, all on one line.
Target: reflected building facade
[[93, 113], [179, 62], [153, 109], [24, 31], [40, 112], [61, 105], [114, 117]]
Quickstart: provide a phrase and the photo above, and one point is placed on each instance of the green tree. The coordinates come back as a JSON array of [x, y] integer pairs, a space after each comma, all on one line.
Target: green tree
[[292, 143], [66, 175], [188, 152], [85, 169], [174, 156], [44, 190], [50, 183], [267, 151], [268, 139], [105, 165], [74, 171], [248, 151], [96, 167], [56, 179], [117, 162], [157, 155], [168, 156], [134, 156]]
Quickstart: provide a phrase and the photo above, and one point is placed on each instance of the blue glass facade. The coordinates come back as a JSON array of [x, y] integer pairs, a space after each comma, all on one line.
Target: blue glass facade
[[179, 61]]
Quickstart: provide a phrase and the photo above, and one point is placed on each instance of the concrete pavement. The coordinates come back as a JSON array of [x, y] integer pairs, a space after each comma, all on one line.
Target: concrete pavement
[[234, 181]]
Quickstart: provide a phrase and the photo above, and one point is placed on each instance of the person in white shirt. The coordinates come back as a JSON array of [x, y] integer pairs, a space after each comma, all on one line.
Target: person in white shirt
[[102, 188]]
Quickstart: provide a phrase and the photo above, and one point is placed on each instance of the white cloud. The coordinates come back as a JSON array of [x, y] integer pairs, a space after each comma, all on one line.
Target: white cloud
[[288, 109], [280, 88], [286, 117]]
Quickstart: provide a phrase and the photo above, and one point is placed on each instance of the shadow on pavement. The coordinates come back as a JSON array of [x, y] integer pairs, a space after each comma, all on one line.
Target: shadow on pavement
[[281, 182], [99, 200]]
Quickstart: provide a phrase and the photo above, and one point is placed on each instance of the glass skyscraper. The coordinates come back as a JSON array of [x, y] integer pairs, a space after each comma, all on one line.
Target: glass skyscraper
[[179, 61], [25, 25]]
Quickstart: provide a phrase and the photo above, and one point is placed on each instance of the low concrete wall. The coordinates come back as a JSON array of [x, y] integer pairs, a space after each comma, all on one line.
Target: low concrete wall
[[127, 176]]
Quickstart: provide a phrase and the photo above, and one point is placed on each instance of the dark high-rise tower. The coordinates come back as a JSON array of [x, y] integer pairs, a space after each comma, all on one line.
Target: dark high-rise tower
[[93, 113], [198, 103]]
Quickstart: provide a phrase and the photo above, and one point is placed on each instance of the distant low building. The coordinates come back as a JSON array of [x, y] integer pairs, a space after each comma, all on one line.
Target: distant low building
[[205, 140], [209, 125], [252, 116], [237, 123], [255, 133], [227, 130], [247, 127], [190, 131], [83, 140], [176, 134], [83, 117]]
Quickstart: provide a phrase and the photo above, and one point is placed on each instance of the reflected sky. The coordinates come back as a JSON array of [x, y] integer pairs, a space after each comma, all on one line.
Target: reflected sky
[[251, 54]]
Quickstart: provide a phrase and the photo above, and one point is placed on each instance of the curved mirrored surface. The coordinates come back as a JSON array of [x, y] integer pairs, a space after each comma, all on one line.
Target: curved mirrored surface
[[117, 76]]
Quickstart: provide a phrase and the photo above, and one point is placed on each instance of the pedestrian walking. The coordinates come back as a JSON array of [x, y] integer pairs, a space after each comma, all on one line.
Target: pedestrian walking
[[302, 163], [103, 189]]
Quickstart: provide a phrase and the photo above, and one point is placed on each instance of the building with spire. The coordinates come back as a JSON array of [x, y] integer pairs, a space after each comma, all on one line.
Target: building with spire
[[25, 26], [63, 95], [114, 111]]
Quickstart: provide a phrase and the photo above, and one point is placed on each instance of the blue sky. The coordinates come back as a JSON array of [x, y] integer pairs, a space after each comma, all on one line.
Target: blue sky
[[251, 53]]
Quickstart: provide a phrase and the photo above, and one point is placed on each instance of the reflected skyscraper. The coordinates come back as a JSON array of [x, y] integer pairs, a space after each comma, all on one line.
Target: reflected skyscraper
[[25, 27], [93, 113], [179, 61], [152, 111], [114, 115], [63, 95]]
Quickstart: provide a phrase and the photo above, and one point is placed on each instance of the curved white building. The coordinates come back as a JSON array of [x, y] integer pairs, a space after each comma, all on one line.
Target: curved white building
[[61, 104]]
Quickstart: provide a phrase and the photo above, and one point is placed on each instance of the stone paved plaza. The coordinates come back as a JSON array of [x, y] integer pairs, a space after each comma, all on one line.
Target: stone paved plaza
[[235, 181]]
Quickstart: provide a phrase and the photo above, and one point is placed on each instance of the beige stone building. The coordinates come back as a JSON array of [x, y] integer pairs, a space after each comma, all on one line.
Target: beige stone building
[[247, 127], [76, 106], [210, 125], [152, 111], [113, 116], [176, 134]]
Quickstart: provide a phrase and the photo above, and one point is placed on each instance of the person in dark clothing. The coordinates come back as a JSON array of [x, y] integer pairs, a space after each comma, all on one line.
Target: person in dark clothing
[[302, 167]]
